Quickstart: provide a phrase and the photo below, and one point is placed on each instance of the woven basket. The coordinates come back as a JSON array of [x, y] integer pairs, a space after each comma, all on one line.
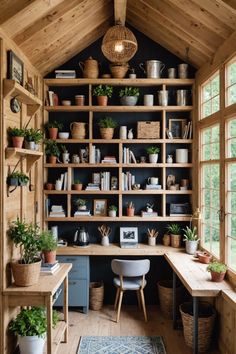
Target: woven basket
[[165, 291], [119, 71], [96, 295], [148, 130], [26, 274], [206, 321], [107, 133]]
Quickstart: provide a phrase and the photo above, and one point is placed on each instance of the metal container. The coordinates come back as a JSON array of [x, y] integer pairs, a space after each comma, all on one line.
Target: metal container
[[183, 71], [182, 97], [163, 98], [153, 68], [81, 237]]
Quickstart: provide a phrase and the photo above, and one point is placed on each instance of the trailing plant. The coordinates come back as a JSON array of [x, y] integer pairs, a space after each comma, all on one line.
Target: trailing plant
[[129, 91], [112, 208], [107, 122], [103, 90], [130, 205], [16, 132], [54, 124], [51, 148], [27, 237], [152, 150], [32, 322], [190, 234], [174, 229], [35, 135], [80, 202], [217, 267], [48, 242]]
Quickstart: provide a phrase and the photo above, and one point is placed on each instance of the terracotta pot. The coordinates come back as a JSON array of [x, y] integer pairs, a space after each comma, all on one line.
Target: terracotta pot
[[17, 141], [26, 274], [217, 277], [175, 240], [102, 100], [49, 186], [52, 159], [204, 257], [78, 187], [130, 211], [49, 256], [52, 133], [107, 133]]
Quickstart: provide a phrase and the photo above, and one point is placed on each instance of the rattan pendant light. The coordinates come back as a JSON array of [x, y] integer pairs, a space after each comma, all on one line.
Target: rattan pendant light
[[119, 44]]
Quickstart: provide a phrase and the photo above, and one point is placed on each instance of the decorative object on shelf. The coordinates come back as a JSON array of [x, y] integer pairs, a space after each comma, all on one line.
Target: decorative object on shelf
[[52, 151], [153, 68], [32, 138], [204, 257], [53, 128], [172, 73], [65, 74], [49, 186], [166, 240], [184, 184], [130, 209], [183, 71], [80, 203], [129, 96], [119, 44], [15, 68], [163, 97], [15, 105], [181, 155], [148, 100], [195, 216], [89, 68], [49, 246], [100, 207], [169, 159], [63, 135], [130, 134], [217, 270], [103, 92], [128, 237], [136, 186], [152, 235], [153, 180], [17, 136], [182, 97], [176, 127], [54, 230], [123, 132], [29, 86], [79, 100], [180, 209], [142, 159], [58, 185], [75, 158], [78, 186], [175, 235], [78, 130], [65, 154], [119, 70], [148, 130], [191, 239], [105, 232], [169, 134], [149, 208], [170, 181], [81, 237], [152, 152], [107, 126], [132, 74], [114, 183], [66, 102], [112, 210], [84, 155]]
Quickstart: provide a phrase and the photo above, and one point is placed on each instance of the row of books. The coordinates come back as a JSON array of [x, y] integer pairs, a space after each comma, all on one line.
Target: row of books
[[128, 156], [95, 155], [65, 74], [128, 180], [57, 211], [188, 131], [153, 186], [82, 213], [109, 159], [52, 99], [64, 181], [145, 214]]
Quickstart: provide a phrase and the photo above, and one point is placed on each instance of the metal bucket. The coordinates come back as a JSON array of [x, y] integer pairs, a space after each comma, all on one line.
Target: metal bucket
[[163, 98], [182, 96], [153, 68]]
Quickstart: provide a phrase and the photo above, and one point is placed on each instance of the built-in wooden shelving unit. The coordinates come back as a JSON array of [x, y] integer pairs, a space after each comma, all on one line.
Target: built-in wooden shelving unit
[[31, 156]]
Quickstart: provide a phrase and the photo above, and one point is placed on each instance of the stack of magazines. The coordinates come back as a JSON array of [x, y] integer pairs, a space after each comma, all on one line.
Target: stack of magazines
[[49, 268]]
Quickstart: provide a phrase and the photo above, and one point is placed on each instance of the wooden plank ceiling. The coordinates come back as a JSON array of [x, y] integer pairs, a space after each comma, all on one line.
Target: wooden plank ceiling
[[50, 32]]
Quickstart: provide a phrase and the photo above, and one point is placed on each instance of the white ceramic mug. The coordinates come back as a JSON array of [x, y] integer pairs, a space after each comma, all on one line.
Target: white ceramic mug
[[153, 180]]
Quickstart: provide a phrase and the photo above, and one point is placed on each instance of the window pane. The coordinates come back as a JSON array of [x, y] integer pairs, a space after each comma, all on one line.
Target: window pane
[[215, 86], [206, 92], [210, 145], [231, 94], [215, 104], [211, 96], [232, 73], [206, 109], [232, 253]]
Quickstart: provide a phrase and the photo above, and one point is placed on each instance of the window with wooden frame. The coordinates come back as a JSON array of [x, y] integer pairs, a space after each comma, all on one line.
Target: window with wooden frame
[[230, 83], [210, 96]]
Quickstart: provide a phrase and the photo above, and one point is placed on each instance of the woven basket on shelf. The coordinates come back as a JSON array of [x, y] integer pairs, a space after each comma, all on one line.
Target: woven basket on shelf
[[119, 71], [96, 295], [165, 290], [26, 274], [148, 130], [206, 321], [107, 133]]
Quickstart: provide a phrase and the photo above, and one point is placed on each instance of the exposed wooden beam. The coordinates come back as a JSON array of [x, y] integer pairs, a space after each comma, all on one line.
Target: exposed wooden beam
[[120, 11], [231, 3], [9, 8]]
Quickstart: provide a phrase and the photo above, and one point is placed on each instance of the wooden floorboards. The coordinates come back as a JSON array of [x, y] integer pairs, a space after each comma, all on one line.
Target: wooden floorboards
[[102, 323]]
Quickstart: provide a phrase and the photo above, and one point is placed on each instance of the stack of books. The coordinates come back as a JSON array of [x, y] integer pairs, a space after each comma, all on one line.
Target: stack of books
[[93, 187], [105, 181], [82, 213], [128, 180], [109, 159], [95, 155], [145, 213], [65, 74], [128, 156], [153, 186], [64, 181], [49, 268], [52, 99], [57, 211]]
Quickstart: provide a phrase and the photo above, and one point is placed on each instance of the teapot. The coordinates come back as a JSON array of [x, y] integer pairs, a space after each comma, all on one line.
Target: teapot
[[81, 237], [89, 68]]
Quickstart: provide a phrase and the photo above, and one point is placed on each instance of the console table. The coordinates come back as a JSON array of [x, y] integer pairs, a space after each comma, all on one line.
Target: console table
[[41, 294]]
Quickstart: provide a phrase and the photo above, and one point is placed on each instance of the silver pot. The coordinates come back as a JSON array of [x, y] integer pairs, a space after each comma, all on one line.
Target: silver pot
[[81, 237], [153, 68]]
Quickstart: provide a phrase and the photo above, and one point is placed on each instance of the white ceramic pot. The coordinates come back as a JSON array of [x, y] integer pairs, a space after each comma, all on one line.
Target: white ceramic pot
[[30, 145], [153, 158], [148, 100], [66, 157], [191, 246], [112, 213], [181, 155], [31, 344], [123, 132], [63, 135], [36, 147], [105, 241], [58, 185], [152, 241], [129, 100]]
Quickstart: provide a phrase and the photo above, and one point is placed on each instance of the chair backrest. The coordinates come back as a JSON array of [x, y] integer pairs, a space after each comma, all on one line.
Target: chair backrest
[[128, 268]]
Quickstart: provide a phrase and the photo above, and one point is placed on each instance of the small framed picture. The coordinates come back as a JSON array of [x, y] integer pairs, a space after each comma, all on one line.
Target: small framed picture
[[96, 178], [176, 127], [129, 234], [100, 207], [15, 68]]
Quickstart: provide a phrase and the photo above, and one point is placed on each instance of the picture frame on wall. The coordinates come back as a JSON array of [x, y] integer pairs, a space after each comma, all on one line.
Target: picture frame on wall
[[128, 237], [15, 68], [176, 127], [100, 207]]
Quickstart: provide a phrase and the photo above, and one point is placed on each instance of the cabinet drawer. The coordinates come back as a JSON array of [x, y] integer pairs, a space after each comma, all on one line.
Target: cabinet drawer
[[78, 294], [77, 261], [80, 273]]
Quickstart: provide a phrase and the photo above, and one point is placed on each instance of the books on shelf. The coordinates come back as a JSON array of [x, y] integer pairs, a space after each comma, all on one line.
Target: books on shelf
[[57, 211], [47, 268], [95, 155], [128, 180], [105, 181], [128, 156], [52, 98], [82, 213], [187, 131], [65, 74], [93, 187], [149, 214], [153, 186], [109, 159]]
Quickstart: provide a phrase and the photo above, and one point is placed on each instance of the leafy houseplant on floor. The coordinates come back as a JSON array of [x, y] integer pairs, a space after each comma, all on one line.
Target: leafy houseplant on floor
[[26, 236], [30, 325], [33, 138], [112, 210], [129, 96], [49, 246], [78, 186], [52, 151], [191, 239], [152, 152], [17, 135], [103, 92], [107, 126], [53, 128], [217, 270], [175, 235]]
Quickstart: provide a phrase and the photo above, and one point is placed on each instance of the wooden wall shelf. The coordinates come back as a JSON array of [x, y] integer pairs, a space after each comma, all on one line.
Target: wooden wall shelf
[[125, 142], [30, 155], [122, 218], [118, 108]]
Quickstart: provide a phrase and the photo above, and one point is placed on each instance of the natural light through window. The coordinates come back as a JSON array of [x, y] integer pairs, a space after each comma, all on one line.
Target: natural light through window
[[231, 83], [210, 101]]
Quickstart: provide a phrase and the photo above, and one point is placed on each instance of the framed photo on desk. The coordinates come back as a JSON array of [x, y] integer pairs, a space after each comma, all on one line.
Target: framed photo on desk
[[128, 237]]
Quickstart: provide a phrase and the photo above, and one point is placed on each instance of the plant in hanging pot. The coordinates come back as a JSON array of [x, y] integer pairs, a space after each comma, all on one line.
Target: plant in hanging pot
[[78, 186], [52, 151], [33, 138], [23, 179], [130, 209], [112, 210], [12, 179], [30, 325], [152, 152], [17, 136], [129, 96], [191, 239], [26, 236], [103, 92], [49, 246], [107, 126], [217, 270], [53, 128], [80, 203], [175, 235]]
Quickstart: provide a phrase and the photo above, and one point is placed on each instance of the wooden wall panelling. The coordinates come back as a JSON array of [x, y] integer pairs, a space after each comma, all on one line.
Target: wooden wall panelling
[[120, 11]]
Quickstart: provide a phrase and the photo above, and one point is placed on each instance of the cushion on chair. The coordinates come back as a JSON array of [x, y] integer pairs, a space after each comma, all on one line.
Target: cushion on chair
[[132, 283]]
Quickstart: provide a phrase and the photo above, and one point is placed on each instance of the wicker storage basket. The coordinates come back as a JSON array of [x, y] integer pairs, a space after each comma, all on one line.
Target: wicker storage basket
[[26, 274], [165, 291], [148, 130], [206, 321], [96, 295], [119, 71], [107, 133]]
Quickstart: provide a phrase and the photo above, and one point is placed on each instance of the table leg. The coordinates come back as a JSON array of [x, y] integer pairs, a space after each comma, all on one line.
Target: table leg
[[174, 302], [49, 325], [195, 325], [65, 307]]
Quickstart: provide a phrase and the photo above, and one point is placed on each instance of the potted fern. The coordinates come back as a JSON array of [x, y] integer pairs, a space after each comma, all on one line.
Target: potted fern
[[112, 210], [175, 235], [152, 152], [102, 92], [33, 138], [129, 96], [17, 136], [49, 246], [80, 203], [217, 270], [53, 128], [107, 126], [191, 239], [52, 151], [78, 186]]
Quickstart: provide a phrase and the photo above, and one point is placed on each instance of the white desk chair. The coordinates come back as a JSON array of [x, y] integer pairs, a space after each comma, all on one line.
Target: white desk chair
[[131, 277]]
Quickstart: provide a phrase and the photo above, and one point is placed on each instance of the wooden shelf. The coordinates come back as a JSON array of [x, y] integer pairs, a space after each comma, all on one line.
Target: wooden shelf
[[80, 192], [82, 165], [129, 165], [124, 142], [122, 218], [118, 108], [31, 155], [13, 89], [57, 335]]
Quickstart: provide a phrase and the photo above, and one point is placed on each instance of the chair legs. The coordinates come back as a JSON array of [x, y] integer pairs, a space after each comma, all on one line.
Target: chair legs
[[139, 301], [119, 305], [117, 297], [143, 304]]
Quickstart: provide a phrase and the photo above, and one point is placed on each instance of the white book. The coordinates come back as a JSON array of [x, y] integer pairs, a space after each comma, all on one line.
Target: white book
[[65, 186], [132, 157], [62, 178], [50, 97]]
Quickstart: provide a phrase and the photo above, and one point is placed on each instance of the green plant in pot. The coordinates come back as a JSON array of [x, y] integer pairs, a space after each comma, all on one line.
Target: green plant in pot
[[78, 186], [49, 246], [80, 203], [52, 151], [175, 235], [103, 92], [107, 126], [217, 270], [191, 239], [129, 96], [26, 236], [30, 325], [33, 138], [53, 128], [130, 208], [112, 210], [17, 136], [152, 152]]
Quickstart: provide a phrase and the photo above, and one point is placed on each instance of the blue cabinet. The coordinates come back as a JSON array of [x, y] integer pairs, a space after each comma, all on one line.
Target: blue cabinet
[[78, 282]]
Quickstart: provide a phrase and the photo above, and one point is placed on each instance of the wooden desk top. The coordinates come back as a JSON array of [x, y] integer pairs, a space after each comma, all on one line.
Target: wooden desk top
[[194, 275], [47, 285], [114, 249]]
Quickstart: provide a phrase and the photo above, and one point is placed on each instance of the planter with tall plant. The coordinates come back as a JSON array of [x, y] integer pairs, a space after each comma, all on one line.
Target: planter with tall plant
[[175, 235], [32, 138], [129, 96], [53, 128], [17, 136], [191, 239], [52, 151], [103, 92], [49, 246], [152, 152], [107, 126]]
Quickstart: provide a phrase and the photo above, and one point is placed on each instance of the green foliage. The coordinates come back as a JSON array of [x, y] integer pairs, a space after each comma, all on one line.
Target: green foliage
[[63, 149], [107, 122], [27, 237], [51, 148], [174, 229], [54, 124], [190, 234], [35, 135], [129, 91], [77, 181], [130, 205], [79, 202], [103, 90], [48, 242], [16, 132], [152, 150], [217, 267], [112, 207], [32, 322], [22, 177]]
